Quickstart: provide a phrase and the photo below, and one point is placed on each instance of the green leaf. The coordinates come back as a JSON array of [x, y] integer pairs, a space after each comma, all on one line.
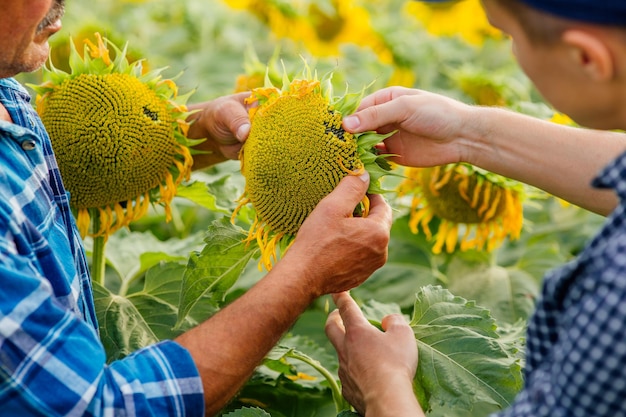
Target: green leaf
[[508, 293], [200, 193], [348, 414], [375, 311], [159, 299], [463, 361], [395, 283], [287, 383], [130, 254], [287, 358], [122, 327], [248, 412], [213, 271]]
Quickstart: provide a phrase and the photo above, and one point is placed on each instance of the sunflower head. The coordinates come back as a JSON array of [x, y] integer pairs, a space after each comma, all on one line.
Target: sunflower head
[[487, 206], [118, 136], [296, 153]]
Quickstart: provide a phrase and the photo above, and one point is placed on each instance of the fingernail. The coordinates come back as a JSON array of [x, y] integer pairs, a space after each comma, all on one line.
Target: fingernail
[[351, 122], [243, 131], [365, 176]]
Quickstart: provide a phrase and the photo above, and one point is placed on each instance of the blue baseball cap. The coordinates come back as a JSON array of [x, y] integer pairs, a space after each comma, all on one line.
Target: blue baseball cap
[[609, 12]]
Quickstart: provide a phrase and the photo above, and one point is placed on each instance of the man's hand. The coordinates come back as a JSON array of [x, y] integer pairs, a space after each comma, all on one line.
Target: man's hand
[[225, 124], [335, 251], [376, 367]]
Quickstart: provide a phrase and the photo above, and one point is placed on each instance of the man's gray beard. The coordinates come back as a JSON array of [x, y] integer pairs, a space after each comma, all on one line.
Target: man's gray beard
[[55, 13]]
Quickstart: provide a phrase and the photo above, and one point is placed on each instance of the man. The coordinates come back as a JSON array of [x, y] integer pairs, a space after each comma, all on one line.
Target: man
[[51, 360], [575, 53]]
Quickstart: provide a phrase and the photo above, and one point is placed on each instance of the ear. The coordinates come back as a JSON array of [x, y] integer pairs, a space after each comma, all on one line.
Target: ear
[[591, 53]]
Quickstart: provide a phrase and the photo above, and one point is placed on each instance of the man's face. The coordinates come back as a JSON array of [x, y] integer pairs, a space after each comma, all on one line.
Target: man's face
[[25, 26]]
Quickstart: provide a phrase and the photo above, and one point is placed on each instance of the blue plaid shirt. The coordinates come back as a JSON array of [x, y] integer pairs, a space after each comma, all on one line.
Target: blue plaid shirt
[[51, 360], [576, 345]]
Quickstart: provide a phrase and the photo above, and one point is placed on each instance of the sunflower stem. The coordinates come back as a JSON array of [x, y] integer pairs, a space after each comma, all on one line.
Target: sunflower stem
[[340, 402], [98, 259]]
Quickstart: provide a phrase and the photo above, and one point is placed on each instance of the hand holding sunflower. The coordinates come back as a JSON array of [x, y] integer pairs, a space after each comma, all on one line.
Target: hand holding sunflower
[[225, 125]]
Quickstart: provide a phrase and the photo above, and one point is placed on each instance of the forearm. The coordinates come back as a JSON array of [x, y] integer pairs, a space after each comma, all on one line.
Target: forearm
[[229, 346], [558, 159]]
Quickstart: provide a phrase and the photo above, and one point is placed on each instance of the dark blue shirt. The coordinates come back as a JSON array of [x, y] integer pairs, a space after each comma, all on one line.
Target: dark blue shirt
[[576, 344]]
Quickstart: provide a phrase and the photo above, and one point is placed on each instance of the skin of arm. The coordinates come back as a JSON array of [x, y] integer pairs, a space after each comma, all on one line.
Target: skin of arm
[[376, 367], [435, 130], [332, 252]]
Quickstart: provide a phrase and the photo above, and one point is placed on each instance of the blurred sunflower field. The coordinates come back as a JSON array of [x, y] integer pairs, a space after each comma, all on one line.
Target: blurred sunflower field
[[468, 248]]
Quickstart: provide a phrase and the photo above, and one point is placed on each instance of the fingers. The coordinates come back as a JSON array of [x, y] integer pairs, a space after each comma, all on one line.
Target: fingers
[[345, 197], [239, 118], [349, 310], [380, 210], [231, 151], [395, 323], [378, 110], [372, 118], [235, 116], [224, 120], [335, 330], [384, 95]]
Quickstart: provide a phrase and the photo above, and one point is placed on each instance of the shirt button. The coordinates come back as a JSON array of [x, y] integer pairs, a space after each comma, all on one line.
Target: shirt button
[[29, 145]]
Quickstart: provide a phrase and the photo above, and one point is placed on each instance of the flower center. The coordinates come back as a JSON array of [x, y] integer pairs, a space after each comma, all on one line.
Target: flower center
[[295, 155], [460, 198], [113, 137]]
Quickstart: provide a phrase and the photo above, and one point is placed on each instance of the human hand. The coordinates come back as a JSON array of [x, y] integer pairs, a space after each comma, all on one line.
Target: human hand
[[334, 251], [376, 368], [430, 126], [224, 122]]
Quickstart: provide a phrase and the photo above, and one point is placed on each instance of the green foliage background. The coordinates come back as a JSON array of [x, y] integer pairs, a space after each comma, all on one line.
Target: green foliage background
[[163, 278]]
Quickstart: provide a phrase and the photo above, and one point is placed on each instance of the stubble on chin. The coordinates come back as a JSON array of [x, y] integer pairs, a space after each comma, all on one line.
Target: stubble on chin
[[33, 57]]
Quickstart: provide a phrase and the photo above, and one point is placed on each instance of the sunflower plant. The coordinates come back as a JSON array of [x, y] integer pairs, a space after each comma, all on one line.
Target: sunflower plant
[[476, 209], [119, 136]]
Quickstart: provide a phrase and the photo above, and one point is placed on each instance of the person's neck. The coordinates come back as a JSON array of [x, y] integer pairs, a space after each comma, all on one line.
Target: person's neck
[[4, 114]]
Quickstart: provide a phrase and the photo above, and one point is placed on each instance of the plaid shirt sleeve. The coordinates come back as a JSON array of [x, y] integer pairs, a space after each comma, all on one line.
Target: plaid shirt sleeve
[[576, 344], [52, 362]]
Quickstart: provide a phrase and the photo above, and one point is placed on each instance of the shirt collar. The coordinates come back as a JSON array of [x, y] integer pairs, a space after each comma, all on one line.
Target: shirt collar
[[12, 84]]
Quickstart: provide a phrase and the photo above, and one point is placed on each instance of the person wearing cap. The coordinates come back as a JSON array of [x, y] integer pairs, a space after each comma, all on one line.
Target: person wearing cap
[[574, 51]]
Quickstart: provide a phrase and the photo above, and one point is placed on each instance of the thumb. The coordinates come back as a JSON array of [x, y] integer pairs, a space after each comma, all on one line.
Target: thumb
[[346, 195]]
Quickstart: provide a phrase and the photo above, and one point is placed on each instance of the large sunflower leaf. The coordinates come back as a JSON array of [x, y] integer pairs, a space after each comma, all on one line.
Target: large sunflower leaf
[[122, 327], [508, 293], [130, 254], [395, 282], [216, 268], [200, 193], [158, 301], [463, 360]]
